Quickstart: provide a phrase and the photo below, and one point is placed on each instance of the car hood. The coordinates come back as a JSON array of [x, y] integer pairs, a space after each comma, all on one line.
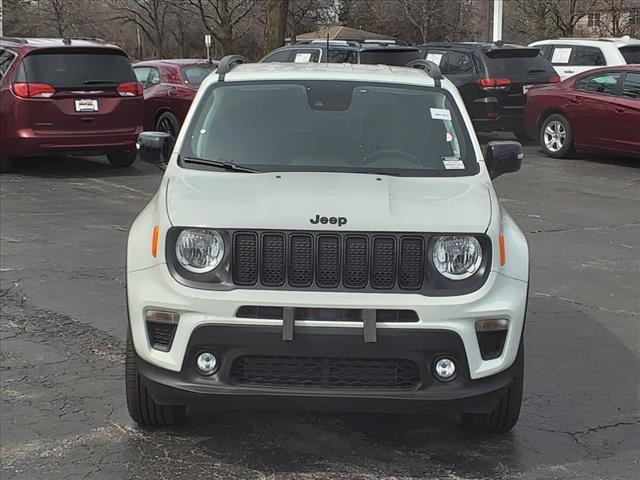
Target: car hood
[[290, 201]]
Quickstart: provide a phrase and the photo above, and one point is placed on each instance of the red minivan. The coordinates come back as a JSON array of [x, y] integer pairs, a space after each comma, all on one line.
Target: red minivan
[[77, 96]]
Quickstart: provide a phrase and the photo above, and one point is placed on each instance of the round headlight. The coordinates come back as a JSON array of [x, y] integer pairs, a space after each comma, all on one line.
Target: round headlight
[[199, 251], [457, 257]]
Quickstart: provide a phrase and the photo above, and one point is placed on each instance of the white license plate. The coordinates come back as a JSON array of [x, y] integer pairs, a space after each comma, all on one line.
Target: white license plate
[[86, 105], [525, 88]]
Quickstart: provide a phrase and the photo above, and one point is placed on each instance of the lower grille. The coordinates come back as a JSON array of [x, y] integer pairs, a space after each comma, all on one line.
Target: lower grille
[[323, 372], [326, 314], [161, 335]]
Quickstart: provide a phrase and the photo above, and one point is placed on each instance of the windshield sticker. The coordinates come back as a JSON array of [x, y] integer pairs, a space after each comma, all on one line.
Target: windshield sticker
[[449, 137], [452, 163], [434, 57], [302, 58], [561, 55], [440, 114]]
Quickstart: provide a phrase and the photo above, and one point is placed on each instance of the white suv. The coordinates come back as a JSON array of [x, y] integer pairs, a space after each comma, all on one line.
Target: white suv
[[327, 236], [571, 56]]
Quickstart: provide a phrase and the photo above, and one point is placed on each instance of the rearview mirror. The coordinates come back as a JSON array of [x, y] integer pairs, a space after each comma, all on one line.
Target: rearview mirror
[[503, 157], [154, 147]]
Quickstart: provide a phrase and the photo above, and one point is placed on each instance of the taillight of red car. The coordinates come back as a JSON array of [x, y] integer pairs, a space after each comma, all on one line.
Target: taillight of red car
[[32, 90], [130, 89], [494, 83]]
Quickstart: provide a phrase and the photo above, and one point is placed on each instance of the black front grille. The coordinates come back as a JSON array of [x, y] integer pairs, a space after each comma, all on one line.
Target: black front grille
[[264, 312], [329, 260], [161, 335], [323, 372]]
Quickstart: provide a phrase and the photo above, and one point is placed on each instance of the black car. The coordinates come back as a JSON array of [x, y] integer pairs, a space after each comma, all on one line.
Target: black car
[[493, 79], [345, 51]]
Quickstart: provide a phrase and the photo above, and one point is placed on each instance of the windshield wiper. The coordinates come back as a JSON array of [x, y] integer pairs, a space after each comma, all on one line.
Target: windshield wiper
[[100, 82], [223, 164]]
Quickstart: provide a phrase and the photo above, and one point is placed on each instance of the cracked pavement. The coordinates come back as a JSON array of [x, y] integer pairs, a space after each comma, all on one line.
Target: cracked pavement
[[63, 230]]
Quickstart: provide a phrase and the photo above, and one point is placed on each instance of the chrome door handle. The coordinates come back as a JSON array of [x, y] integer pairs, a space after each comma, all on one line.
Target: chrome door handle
[[620, 110]]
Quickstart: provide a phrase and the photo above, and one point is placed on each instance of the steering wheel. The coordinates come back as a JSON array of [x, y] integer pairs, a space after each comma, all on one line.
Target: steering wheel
[[392, 153]]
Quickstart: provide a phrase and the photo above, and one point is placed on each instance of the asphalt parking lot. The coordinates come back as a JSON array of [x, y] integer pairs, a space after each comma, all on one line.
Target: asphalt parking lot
[[63, 229]]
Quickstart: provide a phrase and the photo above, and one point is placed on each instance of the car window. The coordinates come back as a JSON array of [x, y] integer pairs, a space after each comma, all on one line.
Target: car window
[[545, 51], [76, 69], [435, 56], [457, 62], [6, 57], [279, 56], [332, 126], [631, 54], [342, 56], [587, 56], [154, 77], [518, 64], [142, 73], [605, 83], [394, 57], [631, 86], [195, 75]]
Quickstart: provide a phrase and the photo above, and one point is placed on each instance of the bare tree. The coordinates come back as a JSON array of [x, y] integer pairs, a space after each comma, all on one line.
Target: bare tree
[[566, 14], [276, 24], [617, 19], [150, 16], [60, 13], [220, 18]]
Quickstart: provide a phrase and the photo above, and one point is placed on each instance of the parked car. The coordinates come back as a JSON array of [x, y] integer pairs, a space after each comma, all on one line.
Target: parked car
[[169, 88], [345, 51], [595, 110], [571, 56], [493, 79], [67, 96], [327, 238]]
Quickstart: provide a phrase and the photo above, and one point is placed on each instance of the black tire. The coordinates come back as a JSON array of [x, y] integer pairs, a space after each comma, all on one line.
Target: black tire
[[169, 123], [522, 136], [122, 159], [558, 123], [142, 408], [504, 417], [6, 164]]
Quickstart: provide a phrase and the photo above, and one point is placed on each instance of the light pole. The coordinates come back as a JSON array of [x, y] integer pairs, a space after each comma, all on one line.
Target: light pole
[[497, 20]]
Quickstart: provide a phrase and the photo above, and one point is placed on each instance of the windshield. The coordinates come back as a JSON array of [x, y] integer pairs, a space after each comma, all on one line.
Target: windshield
[[332, 126], [195, 74], [76, 69]]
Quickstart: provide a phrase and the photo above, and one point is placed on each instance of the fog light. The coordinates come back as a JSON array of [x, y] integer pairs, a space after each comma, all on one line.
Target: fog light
[[445, 369], [207, 363], [161, 316]]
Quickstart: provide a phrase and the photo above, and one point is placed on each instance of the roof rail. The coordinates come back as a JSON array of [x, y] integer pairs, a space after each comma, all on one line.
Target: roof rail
[[14, 39], [228, 63], [430, 68], [87, 39]]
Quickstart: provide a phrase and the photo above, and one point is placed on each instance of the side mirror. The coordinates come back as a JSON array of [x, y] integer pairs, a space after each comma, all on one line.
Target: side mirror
[[154, 147], [503, 157]]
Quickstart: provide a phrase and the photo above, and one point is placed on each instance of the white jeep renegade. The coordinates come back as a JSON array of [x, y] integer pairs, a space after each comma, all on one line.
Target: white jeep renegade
[[327, 237]]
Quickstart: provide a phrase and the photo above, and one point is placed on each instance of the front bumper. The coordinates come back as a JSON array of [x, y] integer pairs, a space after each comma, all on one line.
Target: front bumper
[[500, 297], [323, 385]]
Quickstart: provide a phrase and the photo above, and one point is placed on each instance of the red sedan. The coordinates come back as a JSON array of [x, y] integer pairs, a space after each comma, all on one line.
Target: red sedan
[[169, 89], [597, 110]]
